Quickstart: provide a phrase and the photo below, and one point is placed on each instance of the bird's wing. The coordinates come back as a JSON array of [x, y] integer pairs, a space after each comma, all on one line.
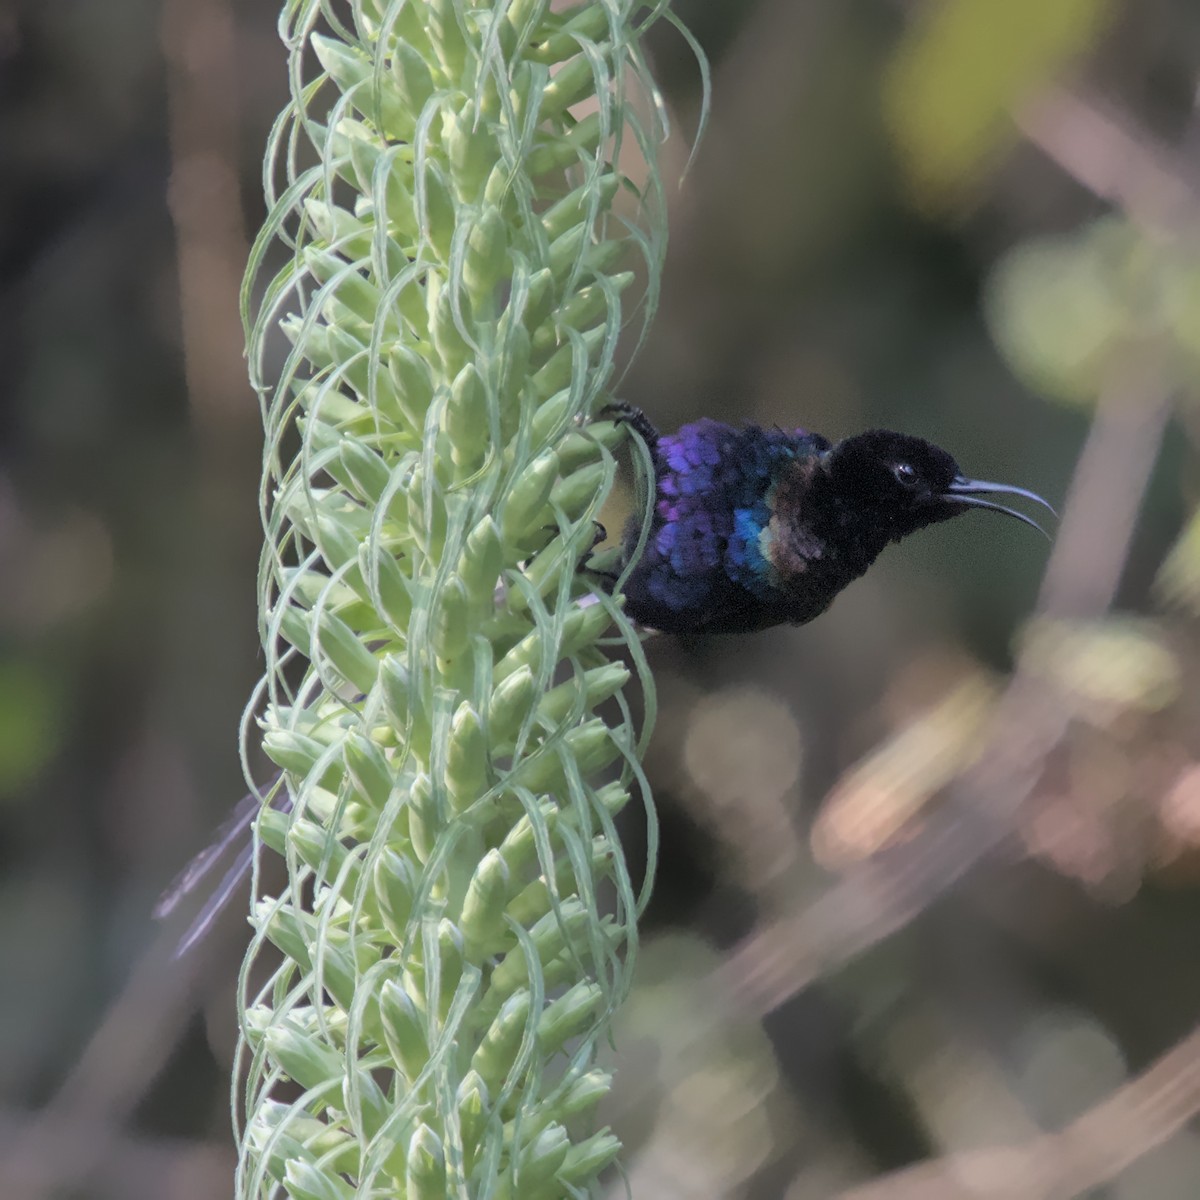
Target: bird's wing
[[235, 830]]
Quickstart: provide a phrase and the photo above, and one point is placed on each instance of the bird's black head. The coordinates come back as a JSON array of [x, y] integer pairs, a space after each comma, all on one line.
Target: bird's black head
[[898, 484]]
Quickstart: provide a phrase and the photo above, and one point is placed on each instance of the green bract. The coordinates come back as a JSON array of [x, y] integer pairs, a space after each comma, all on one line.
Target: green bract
[[458, 925]]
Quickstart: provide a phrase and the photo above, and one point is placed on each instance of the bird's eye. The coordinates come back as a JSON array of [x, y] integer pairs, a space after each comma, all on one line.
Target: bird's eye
[[905, 473]]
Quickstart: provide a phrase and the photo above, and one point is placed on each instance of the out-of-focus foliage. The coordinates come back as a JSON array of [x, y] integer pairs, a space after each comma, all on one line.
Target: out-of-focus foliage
[[1069, 310], [888, 789], [1179, 578], [951, 86], [701, 1104], [1104, 667]]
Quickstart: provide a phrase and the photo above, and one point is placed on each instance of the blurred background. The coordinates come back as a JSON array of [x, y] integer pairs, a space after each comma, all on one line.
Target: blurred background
[[928, 900]]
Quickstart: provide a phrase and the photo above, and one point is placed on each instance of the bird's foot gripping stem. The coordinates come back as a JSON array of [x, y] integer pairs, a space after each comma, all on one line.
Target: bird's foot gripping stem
[[604, 566], [637, 420]]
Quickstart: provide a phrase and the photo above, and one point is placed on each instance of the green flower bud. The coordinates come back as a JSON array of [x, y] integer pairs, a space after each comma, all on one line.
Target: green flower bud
[[368, 769], [338, 542], [354, 77], [472, 150], [340, 229], [540, 302], [498, 1050], [602, 256], [571, 83], [446, 36], [337, 971], [426, 1177], [403, 1030], [366, 1098], [480, 564], [482, 922], [528, 496], [557, 372], [451, 622], [339, 645], [400, 208], [552, 417], [581, 627], [466, 758], [348, 68], [437, 216], [543, 573], [568, 1015], [307, 1182], [413, 79], [274, 1142], [303, 1055], [467, 419], [519, 848], [566, 253], [409, 25], [401, 696], [597, 685], [290, 931], [444, 330], [316, 847], [514, 377], [589, 22], [578, 448], [573, 208], [425, 820], [297, 754], [439, 961], [390, 587], [450, 946], [487, 254], [540, 1159], [497, 194], [579, 492], [357, 141], [353, 290], [613, 797], [473, 1112], [512, 702], [590, 745], [394, 882], [550, 936], [592, 304], [365, 470], [412, 383], [534, 901], [583, 1094], [579, 145], [524, 16], [588, 1158], [426, 516], [271, 825]]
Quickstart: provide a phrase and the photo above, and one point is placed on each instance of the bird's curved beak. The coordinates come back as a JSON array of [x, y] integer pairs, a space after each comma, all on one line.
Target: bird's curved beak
[[969, 492]]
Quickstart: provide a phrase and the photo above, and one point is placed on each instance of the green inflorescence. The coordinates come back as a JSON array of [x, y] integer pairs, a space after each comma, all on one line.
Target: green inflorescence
[[450, 190]]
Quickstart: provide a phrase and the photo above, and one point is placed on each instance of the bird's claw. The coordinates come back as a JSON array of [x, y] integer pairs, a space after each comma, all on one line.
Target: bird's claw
[[637, 420]]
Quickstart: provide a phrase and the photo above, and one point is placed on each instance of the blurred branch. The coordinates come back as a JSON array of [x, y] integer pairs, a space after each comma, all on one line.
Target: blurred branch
[[1106, 493], [1137, 1117], [1112, 157], [128, 1167], [199, 49], [111, 1076]]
